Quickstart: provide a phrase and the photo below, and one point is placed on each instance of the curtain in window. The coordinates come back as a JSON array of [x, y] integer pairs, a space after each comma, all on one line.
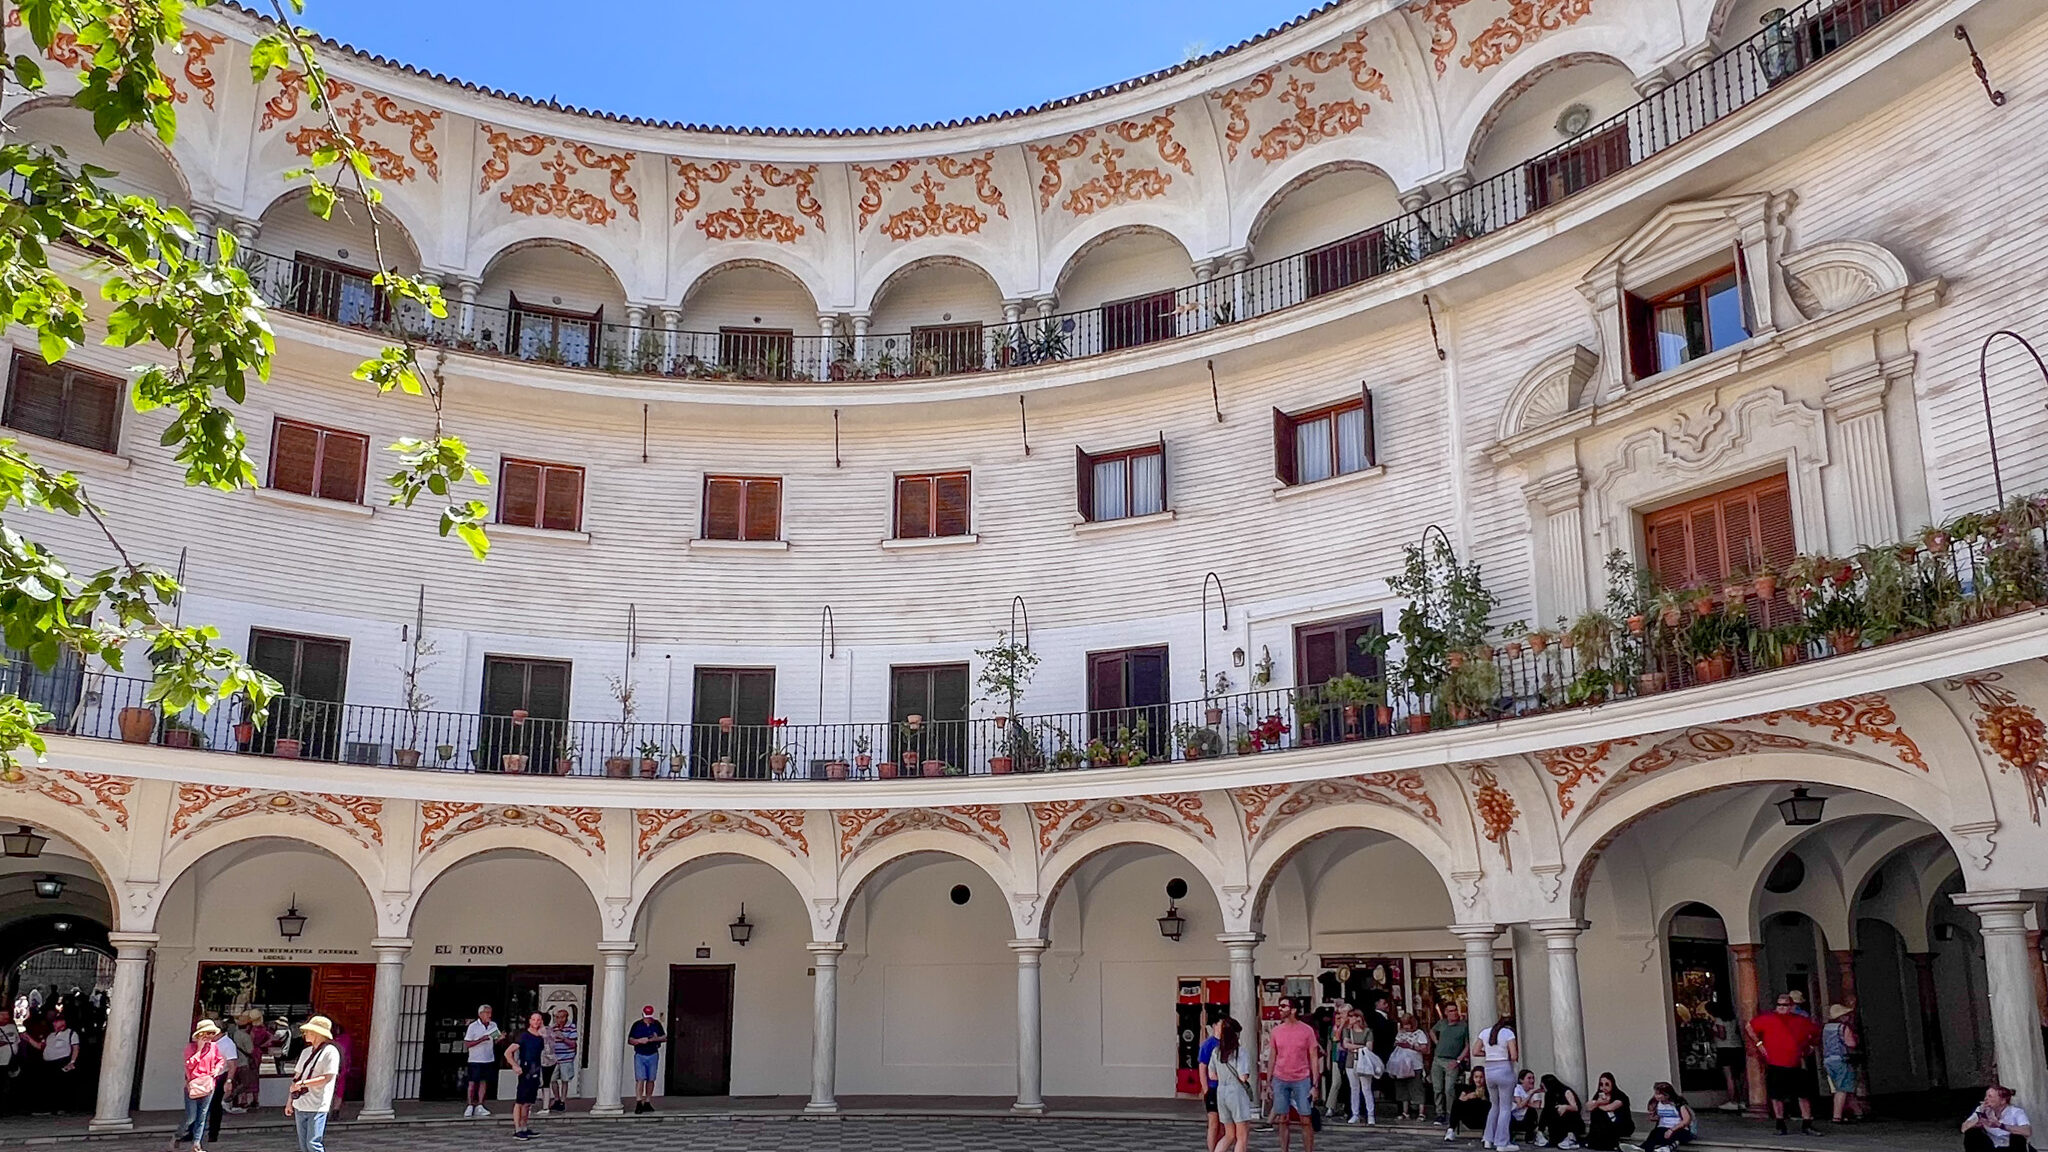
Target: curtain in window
[[1109, 490], [1674, 346], [1312, 450], [1148, 488], [1351, 441]]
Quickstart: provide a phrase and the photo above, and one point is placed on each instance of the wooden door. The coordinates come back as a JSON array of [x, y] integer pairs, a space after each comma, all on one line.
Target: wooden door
[[343, 993], [699, 1030]]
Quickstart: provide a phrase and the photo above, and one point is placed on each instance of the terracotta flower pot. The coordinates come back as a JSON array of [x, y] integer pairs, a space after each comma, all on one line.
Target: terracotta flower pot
[[1002, 720], [1351, 713], [137, 725], [617, 767], [1711, 669], [245, 732], [1514, 649], [835, 770], [1000, 765], [722, 770], [1455, 659], [1703, 605], [1766, 587], [1384, 714], [1672, 617], [649, 767], [182, 738], [1637, 623], [512, 762], [287, 748], [886, 770], [1538, 643], [406, 757], [863, 761], [910, 763], [778, 763], [725, 723], [564, 765], [1650, 683], [1418, 722], [935, 767], [1212, 716], [1845, 640], [519, 715], [915, 720], [1732, 593]]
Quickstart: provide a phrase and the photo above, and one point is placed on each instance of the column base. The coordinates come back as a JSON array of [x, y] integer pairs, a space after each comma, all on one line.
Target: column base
[[124, 1124], [375, 1114], [611, 1110], [1024, 1109], [822, 1107]]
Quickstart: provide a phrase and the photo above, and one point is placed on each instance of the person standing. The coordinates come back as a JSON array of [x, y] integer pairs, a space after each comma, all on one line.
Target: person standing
[[1296, 1055], [58, 1047], [313, 1084], [524, 1054], [1208, 1047], [1996, 1123], [237, 1040], [1362, 1066], [1728, 1054], [1448, 1038], [1841, 1050], [1230, 1066], [1379, 1020], [1405, 1067], [205, 1079], [647, 1036], [481, 1039], [10, 1047], [1671, 1119], [1498, 1052], [1785, 1038], [345, 1050], [562, 1039], [230, 1057]]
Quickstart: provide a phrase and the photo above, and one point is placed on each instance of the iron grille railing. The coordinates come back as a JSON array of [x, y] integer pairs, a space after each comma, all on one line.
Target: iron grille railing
[[1805, 34]]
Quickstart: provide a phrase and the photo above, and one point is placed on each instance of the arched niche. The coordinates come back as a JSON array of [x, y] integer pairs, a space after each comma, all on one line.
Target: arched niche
[[140, 163], [549, 300], [290, 228], [1123, 264], [1529, 119], [1322, 207], [751, 317], [939, 306]]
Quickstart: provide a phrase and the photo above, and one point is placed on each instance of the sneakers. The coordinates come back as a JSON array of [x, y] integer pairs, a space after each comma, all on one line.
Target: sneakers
[[1731, 1106], [1542, 1141], [1371, 1121], [472, 1112], [523, 1134], [558, 1106], [642, 1106], [1568, 1143], [1353, 1120], [1507, 1148], [1450, 1134]]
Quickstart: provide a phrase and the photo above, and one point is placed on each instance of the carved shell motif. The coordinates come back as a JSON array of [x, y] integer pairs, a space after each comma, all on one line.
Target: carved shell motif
[[1841, 274]]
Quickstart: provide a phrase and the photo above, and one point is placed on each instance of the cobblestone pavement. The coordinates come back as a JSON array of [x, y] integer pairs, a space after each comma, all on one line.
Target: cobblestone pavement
[[775, 1133]]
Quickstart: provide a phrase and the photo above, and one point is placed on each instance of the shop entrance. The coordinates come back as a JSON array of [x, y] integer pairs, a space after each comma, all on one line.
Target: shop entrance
[[699, 1030], [513, 992]]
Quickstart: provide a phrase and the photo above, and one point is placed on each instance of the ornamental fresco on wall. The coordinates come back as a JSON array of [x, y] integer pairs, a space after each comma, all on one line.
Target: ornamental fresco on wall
[[2011, 731], [749, 220], [107, 807], [1524, 23], [1105, 178], [861, 827], [1869, 716], [557, 196], [201, 806], [1495, 808], [936, 214], [1060, 821], [1266, 807], [660, 827], [1304, 120], [442, 821], [362, 113]]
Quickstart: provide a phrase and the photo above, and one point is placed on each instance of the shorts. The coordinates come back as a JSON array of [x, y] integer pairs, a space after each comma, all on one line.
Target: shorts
[[529, 1087], [1728, 1058], [1841, 1076], [646, 1065], [481, 1071], [565, 1077], [1209, 1098], [1787, 1084], [1297, 1096]]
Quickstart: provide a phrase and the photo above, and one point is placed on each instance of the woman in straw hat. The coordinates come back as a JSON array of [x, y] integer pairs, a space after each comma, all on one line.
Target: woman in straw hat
[[1841, 1050], [313, 1084], [203, 1068]]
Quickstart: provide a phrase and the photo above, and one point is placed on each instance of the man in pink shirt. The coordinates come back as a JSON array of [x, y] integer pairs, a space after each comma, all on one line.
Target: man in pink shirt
[[1295, 1055]]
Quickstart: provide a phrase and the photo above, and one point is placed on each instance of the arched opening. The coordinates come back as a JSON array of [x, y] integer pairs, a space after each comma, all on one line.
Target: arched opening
[[1125, 1004], [927, 986], [738, 1014], [140, 164], [1961, 1000], [1327, 221], [933, 317], [749, 320], [551, 302], [324, 267], [224, 955], [1119, 291], [1702, 1001], [1560, 112], [54, 917], [507, 927]]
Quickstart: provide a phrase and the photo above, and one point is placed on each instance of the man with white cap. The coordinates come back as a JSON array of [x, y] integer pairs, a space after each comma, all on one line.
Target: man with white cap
[[482, 1042], [313, 1082]]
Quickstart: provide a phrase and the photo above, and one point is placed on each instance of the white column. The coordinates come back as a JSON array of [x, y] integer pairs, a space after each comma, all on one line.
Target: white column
[[124, 1031], [1244, 984], [1013, 311], [860, 336], [1481, 1006], [465, 313], [610, 1034], [1567, 1018], [380, 1075], [2009, 980], [671, 319], [245, 231], [824, 1024], [1045, 304], [1030, 1045]]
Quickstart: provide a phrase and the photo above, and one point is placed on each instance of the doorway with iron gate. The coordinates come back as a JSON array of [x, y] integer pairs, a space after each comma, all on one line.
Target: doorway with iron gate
[[699, 1030]]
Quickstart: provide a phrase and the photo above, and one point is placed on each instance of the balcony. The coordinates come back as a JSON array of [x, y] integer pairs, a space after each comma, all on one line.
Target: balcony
[[1978, 568], [1805, 35]]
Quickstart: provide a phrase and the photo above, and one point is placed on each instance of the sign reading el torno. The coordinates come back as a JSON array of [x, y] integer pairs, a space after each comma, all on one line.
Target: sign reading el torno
[[469, 949]]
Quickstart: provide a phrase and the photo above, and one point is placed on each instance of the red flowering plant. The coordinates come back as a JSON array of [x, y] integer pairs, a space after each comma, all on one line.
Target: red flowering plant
[[1262, 735]]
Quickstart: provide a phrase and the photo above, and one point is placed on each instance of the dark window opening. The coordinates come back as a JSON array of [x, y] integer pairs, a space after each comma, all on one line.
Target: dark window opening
[[540, 688], [1345, 263], [946, 350], [312, 672], [337, 293], [937, 693], [757, 353], [746, 698], [554, 336], [1127, 695], [62, 403], [1324, 651], [1139, 320]]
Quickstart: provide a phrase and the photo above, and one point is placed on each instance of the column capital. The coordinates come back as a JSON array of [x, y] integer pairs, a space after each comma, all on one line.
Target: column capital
[[1558, 931], [1029, 947], [617, 948], [1249, 939], [133, 941], [2001, 910], [823, 948], [1476, 933]]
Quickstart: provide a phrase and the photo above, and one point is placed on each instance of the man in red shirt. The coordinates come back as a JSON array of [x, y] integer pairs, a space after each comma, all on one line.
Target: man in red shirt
[[1294, 1055], [1784, 1037]]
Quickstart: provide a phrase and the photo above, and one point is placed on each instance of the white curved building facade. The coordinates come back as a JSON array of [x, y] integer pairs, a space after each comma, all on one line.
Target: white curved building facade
[[786, 429]]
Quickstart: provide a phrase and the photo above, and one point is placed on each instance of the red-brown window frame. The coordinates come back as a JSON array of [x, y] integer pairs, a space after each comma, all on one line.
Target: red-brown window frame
[[72, 377], [1286, 461], [956, 348], [317, 288], [1342, 263], [932, 528], [748, 485], [324, 433], [540, 493], [1577, 166], [1136, 320], [1774, 540], [1084, 477], [1639, 317], [557, 319]]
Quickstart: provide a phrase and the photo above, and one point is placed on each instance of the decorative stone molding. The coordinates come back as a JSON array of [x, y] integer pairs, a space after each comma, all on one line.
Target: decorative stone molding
[[1549, 392], [1839, 274]]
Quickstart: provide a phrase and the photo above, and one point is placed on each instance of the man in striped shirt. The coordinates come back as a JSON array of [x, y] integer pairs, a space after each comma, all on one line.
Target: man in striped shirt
[[562, 1045]]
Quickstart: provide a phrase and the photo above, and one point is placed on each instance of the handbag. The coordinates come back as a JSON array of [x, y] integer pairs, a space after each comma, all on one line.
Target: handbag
[[200, 1086]]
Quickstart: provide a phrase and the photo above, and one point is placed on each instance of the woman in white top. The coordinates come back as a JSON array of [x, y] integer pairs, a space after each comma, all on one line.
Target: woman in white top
[[1498, 1051], [1411, 1056], [1995, 1122], [1670, 1119]]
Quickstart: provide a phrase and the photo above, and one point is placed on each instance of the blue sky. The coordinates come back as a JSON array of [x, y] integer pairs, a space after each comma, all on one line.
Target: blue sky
[[796, 63]]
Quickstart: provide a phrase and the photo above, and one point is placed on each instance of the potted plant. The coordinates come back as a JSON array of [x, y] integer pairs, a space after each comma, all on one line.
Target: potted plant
[[1540, 638], [650, 759], [909, 740], [863, 751], [1710, 640], [296, 717], [1197, 742], [678, 761], [835, 769], [725, 724], [933, 767], [565, 758], [1472, 690], [1764, 579], [723, 768], [1066, 757], [1025, 752], [619, 764], [778, 749], [1213, 713], [1514, 633], [512, 761], [1702, 595], [413, 698], [1352, 693], [1834, 607], [137, 725], [179, 733], [1669, 604], [442, 752], [1006, 668]]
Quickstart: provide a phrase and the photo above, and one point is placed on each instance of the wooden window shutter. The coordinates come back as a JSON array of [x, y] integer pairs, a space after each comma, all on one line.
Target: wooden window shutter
[[722, 500], [764, 510], [35, 404], [1708, 563], [951, 504], [1084, 484], [1164, 502], [1776, 540], [1639, 329], [91, 412], [1372, 448], [520, 503], [294, 457], [1670, 559], [913, 507], [343, 459], [563, 508], [1283, 447]]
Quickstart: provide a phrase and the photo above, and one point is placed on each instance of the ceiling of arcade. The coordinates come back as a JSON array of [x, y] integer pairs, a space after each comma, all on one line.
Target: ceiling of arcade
[[1401, 87]]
